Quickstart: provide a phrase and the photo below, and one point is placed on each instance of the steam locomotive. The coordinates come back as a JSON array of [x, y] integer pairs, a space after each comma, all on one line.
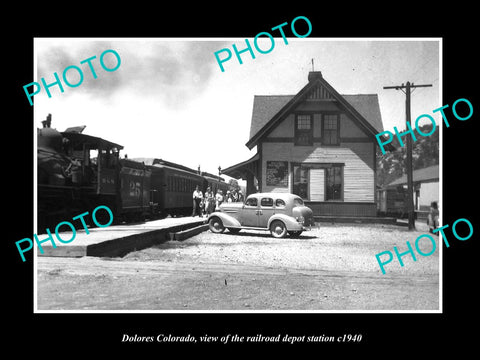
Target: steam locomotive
[[77, 172]]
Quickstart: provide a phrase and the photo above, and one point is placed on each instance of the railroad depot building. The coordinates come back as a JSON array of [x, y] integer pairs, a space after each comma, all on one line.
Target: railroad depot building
[[317, 144]]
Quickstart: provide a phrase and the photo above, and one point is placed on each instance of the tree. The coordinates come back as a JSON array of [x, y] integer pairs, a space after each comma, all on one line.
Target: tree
[[391, 165]]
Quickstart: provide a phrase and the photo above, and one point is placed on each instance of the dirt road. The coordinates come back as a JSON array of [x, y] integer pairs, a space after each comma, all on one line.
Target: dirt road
[[331, 268]]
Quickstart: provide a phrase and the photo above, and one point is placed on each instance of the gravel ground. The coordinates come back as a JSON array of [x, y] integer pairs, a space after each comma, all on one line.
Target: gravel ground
[[329, 247], [332, 267]]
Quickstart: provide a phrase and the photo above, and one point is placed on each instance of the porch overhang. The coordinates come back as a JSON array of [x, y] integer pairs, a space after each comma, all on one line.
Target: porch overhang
[[245, 169]]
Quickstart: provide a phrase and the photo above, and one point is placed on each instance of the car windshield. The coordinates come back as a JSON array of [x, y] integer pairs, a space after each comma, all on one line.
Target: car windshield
[[297, 202]]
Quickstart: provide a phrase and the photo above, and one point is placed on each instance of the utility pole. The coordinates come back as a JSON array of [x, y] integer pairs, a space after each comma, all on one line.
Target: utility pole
[[410, 207]]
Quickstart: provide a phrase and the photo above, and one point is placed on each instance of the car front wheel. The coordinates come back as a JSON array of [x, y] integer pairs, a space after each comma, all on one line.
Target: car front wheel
[[216, 225], [278, 229]]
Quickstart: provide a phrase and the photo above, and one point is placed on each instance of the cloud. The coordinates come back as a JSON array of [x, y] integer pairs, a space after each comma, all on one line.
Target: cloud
[[173, 72]]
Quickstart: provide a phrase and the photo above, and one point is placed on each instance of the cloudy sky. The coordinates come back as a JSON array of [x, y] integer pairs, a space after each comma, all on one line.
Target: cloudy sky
[[170, 100]]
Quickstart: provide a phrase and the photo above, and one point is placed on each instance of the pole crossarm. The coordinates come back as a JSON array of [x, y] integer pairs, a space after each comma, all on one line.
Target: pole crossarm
[[398, 87]]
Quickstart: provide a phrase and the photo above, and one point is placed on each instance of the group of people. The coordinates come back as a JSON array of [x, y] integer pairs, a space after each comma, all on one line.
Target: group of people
[[205, 205]]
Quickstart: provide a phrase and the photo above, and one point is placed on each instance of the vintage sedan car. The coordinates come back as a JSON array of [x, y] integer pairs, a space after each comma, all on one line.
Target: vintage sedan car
[[280, 213]]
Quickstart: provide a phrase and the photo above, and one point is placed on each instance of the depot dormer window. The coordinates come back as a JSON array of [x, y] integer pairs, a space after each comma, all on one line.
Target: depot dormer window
[[330, 129], [303, 130]]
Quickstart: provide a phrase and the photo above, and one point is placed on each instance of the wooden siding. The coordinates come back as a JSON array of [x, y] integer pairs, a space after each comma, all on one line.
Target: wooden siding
[[358, 158], [348, 128], [285, 128], [358, 173]]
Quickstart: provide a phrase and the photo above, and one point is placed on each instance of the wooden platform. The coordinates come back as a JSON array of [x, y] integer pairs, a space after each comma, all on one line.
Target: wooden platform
[[119, 240]]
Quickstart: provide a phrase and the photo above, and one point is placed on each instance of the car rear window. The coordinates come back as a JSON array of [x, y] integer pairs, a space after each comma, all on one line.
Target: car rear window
[[279, 203], [266, 202]]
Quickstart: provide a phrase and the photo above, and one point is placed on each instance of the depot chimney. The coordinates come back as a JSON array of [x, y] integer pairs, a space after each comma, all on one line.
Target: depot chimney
[[312, 75]]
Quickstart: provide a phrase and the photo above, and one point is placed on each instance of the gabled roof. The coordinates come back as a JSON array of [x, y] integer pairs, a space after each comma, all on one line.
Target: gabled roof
[[367, 105], [430, 173], [268, 110], [264, 108]]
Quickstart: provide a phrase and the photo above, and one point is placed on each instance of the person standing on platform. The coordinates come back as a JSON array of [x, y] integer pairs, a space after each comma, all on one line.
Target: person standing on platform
[[197, 199], [209, 201], [219, 199]]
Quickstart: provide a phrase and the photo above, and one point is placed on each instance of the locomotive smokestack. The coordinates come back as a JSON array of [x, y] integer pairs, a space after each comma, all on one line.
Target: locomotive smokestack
[[46, 123]]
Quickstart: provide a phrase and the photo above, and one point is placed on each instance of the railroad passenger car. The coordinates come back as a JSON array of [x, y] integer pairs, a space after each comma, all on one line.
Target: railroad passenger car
[[135, 189], [172, 187], [215, 183]]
